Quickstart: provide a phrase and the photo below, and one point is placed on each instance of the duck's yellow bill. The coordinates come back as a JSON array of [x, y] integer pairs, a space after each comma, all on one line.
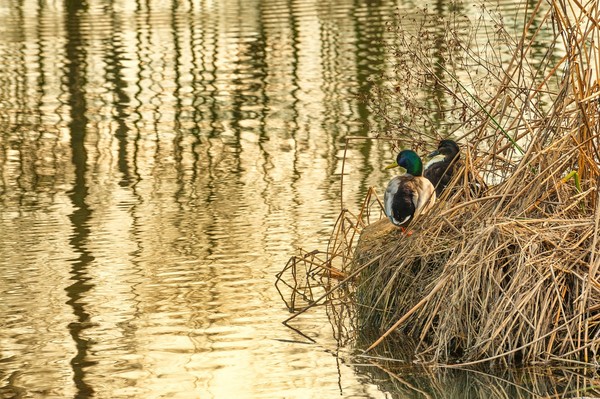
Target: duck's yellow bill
[[392, 165]]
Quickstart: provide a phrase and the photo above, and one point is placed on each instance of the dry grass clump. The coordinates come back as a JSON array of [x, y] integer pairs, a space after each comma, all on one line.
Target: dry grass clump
[[508, 276], [467, 286], [513, 275]]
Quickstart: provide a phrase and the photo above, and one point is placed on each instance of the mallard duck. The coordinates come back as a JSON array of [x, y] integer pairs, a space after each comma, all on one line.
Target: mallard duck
[[410, 194], [440, 173]]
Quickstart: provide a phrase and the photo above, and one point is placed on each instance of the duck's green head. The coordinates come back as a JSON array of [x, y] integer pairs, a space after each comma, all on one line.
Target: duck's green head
[[410, 161]]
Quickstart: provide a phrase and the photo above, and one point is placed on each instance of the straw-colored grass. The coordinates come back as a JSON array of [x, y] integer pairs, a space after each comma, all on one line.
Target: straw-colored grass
[[510, 276], [513, 275]]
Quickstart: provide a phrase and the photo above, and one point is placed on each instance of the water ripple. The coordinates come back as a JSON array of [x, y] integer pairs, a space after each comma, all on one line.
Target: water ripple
[[159, 163]]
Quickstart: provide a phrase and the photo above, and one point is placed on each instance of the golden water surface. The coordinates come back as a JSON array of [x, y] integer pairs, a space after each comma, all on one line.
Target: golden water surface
[[159, 163]]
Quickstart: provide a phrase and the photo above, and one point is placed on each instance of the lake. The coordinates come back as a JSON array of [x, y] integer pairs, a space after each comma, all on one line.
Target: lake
[[159, 164]]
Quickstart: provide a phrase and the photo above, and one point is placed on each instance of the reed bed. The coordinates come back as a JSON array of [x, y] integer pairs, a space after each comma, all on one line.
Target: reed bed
[[510, 276]]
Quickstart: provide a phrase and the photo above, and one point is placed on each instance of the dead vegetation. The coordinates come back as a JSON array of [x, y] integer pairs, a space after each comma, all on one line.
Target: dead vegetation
[[511, 276]]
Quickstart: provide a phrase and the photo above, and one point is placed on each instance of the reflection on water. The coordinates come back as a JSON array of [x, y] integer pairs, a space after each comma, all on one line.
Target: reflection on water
[[159, 162], [404, 381]]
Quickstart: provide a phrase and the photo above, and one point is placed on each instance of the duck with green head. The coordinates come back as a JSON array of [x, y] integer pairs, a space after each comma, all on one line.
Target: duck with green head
[[410, 194]]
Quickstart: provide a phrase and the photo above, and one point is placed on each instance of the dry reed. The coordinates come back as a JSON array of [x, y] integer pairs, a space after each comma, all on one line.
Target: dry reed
[[510, 276]]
